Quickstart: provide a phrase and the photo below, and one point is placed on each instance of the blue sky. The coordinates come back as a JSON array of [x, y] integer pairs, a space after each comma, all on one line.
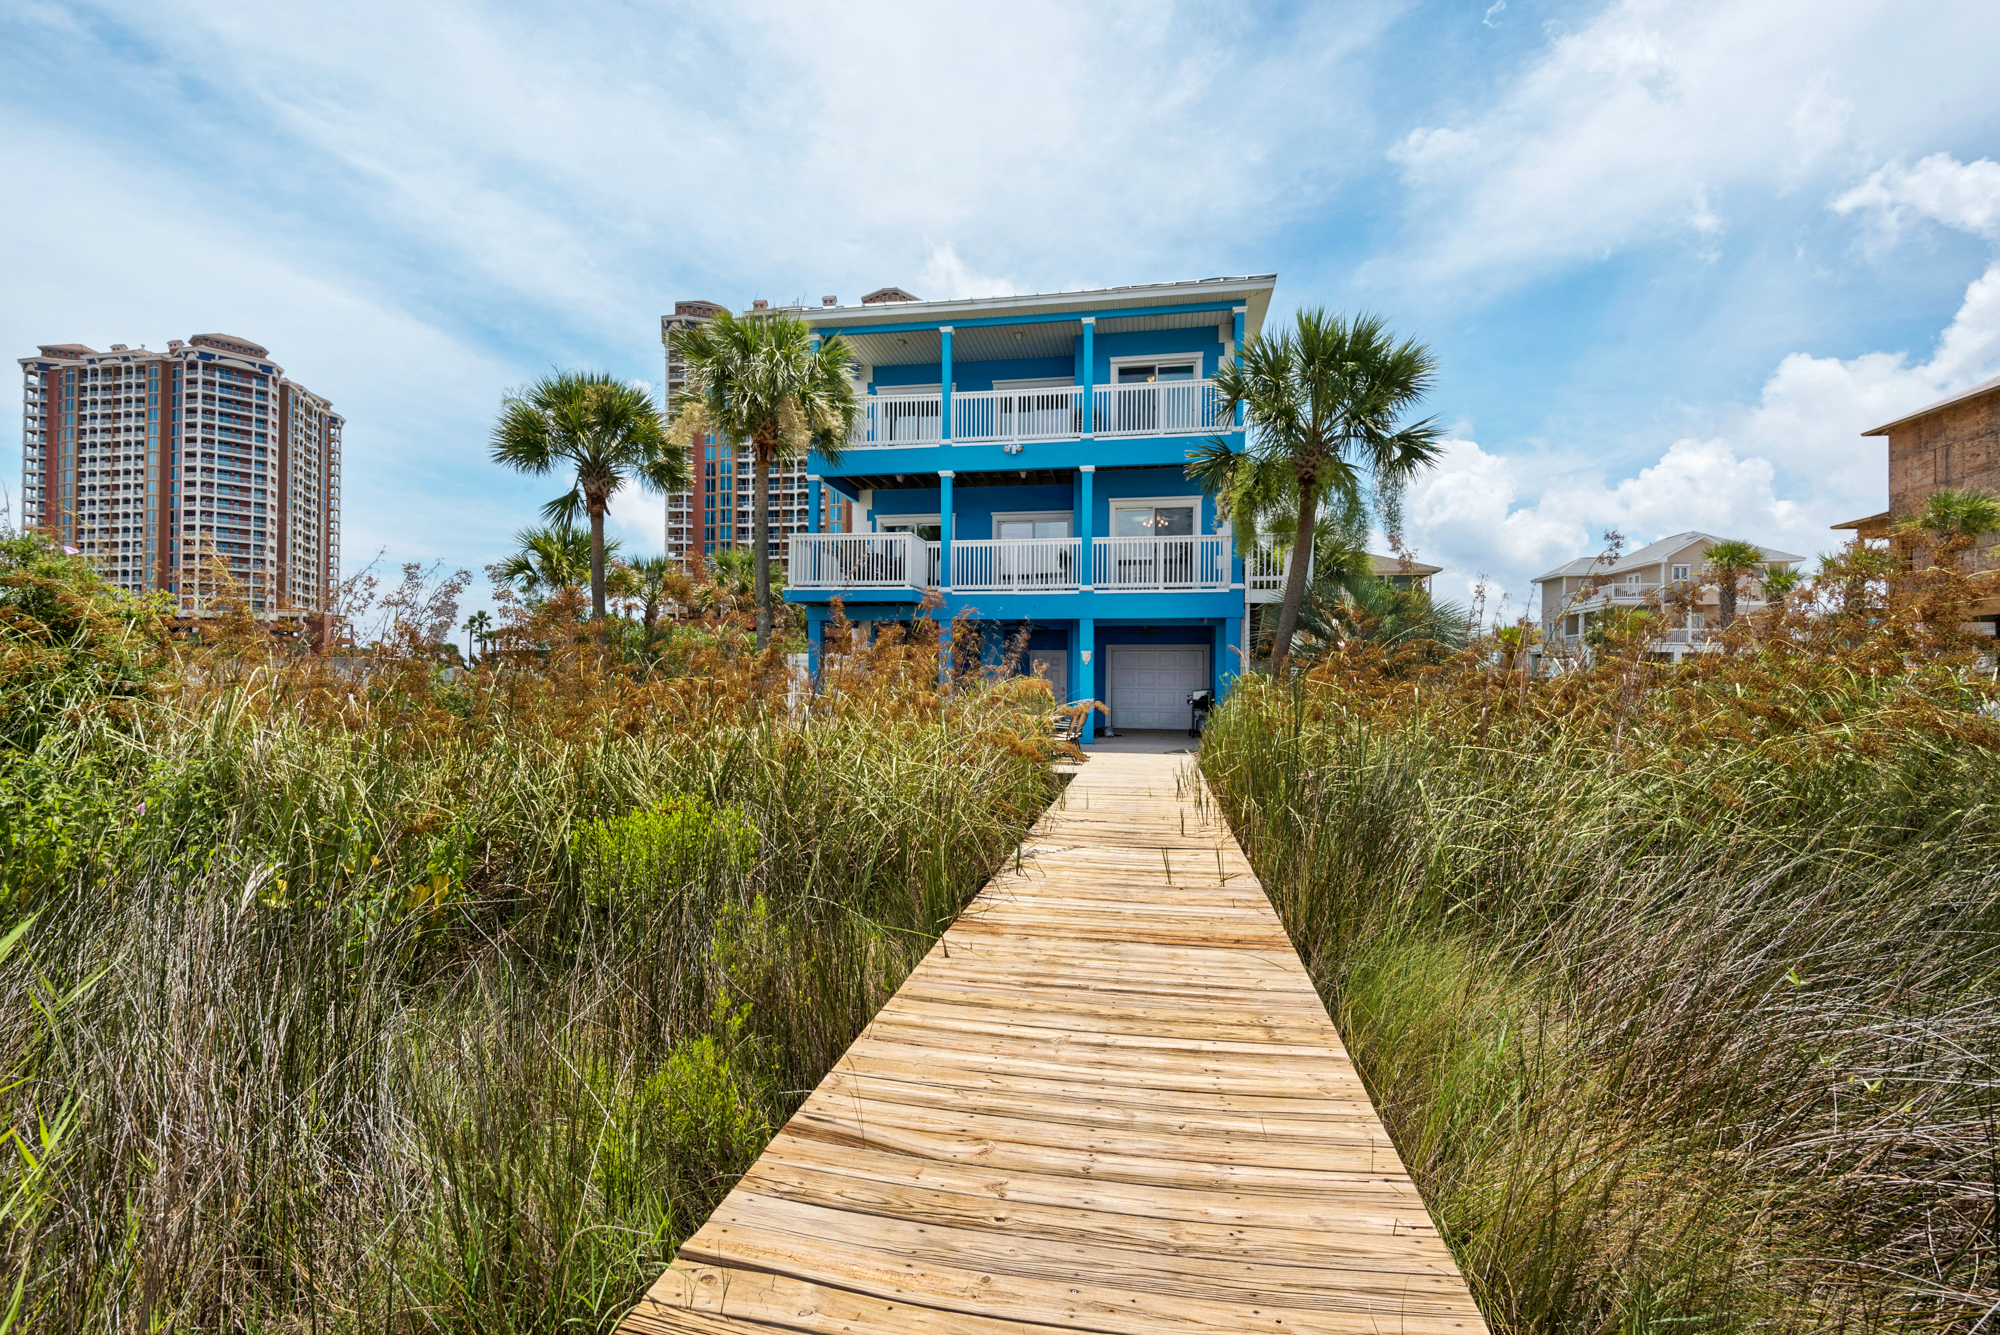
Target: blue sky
[[1674, 257]]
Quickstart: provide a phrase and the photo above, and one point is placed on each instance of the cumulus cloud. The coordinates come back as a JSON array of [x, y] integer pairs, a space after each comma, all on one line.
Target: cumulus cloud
[[1783, 469], [1598, 142], [638, 516], [1469, 514], [1939, 188], [946, 275]]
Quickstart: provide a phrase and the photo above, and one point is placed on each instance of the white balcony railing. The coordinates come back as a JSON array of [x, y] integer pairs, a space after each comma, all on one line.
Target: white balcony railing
[[1161, 563], [1265, 569], [1016, 414], [984, 417], [1019, 565], [899, 419], [859, 561], [1160, 408], [1037, 565]]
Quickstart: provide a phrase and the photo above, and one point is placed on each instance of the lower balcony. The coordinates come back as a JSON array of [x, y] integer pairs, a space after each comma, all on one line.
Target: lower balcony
[[856, 561]]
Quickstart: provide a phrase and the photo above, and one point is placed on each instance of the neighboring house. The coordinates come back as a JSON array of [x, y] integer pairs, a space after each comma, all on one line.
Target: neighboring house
[[1401, 573], [1663, 573], [1026, 458], [1954, 442]]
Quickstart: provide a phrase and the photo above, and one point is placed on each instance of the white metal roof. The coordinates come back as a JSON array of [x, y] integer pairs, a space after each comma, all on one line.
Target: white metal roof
[[1653, 553], [1253, 291]]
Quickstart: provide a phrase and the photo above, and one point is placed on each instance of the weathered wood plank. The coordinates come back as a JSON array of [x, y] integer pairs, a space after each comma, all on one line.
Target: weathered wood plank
[[1108, 1100]]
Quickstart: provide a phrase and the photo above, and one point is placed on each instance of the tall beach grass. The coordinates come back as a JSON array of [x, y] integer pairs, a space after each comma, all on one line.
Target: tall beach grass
[[1678, 998], [356, 995]]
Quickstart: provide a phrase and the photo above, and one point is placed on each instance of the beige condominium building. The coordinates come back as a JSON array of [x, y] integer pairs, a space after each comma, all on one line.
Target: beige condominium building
[[1667, 574], [169, 468]]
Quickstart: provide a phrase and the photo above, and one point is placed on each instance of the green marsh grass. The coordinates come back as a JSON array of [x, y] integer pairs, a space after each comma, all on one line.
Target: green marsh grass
[[1679, 1025], [383, 999]]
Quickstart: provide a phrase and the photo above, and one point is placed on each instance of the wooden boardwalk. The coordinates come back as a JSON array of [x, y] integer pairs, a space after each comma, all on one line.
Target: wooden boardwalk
[[1108, 1100]]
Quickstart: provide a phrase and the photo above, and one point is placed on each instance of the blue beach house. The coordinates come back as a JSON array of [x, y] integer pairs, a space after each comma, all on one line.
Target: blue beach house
[[1025, 457]]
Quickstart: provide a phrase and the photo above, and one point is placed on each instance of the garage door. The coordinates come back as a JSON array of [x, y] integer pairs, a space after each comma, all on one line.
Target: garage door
[[1149, 687]]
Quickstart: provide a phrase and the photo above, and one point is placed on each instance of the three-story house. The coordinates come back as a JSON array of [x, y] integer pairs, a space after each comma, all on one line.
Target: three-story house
[[1025, 458]]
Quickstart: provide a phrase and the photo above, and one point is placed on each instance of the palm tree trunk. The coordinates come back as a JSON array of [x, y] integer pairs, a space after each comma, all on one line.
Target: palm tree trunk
[[760, 529], [1725, 598], [597, 559], [1295, 582]]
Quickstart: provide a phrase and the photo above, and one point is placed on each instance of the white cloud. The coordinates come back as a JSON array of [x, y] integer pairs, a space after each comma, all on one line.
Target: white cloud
[[1802, 437], [1468, 514], [1939, 188], [1598, 143], [639, 517], [945, 275]]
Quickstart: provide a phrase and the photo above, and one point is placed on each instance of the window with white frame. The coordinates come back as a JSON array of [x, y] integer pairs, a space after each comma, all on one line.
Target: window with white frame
[[1167, 517], [1149, 370], [1031, 524], [1680, 574], [927, 527]]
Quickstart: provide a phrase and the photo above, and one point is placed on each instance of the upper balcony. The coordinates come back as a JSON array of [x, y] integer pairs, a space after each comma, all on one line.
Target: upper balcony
[[1172, 408], [1012, 383]]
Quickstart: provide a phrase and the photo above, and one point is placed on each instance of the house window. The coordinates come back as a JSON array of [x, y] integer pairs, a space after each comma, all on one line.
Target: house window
[[1632, 580], [1680, 574], [1145, 372], [1048, 524], [926, 527], [1153, 519]]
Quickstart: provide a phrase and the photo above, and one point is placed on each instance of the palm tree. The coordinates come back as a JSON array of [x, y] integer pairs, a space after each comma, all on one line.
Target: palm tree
[[1374, 611], [1323, 405], [651, 576], [477, 627], [1780, 583], [609, 431], [759, 380], [552, 558], [1729, 561], [1956, 520]]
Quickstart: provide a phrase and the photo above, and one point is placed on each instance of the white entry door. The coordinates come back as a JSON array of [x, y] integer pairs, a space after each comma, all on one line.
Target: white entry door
[[1052, 665], [1149, 687]]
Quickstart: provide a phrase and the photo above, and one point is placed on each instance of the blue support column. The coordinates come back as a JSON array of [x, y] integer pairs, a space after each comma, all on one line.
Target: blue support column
[[944, 528], [1086, 638], [1089, 376], [816, 490], [1237, 343], [1231, 665], [944, 422], [815, 640], [1085, 517]]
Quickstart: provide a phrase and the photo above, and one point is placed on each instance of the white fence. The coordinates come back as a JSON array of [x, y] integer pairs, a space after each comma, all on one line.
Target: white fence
[[1265, 569], [1161, 563], [984, 417], [981, 417], [859, 561], [1161, 408], [1017, 565], [1014, 565]]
